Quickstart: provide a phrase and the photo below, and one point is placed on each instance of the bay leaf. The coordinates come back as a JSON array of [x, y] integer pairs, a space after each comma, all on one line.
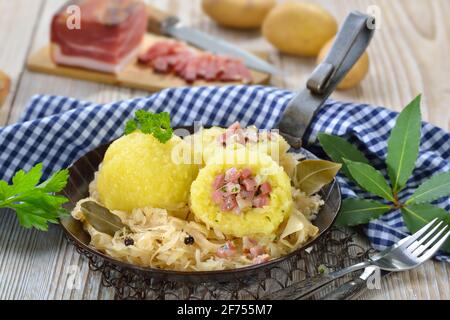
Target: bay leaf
[[434, 188], [370, 179], [403, 145], [356, 211], [101, 218], [312, 175], [338, 149], [418, 215]]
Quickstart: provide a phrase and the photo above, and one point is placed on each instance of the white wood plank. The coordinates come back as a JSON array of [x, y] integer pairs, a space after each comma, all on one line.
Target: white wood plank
[[408, 56]]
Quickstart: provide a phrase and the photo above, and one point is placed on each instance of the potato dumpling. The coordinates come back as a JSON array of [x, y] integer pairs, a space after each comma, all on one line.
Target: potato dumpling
[[299, 28], [356, 73], [138, 171], [242, 14], [256, 219], [206, 143]]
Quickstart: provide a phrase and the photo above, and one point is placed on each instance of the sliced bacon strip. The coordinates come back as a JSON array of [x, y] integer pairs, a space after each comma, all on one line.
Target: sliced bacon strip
[[169, 56]]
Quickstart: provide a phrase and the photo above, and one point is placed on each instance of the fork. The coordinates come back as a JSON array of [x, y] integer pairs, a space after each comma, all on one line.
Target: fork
[[406, 254]]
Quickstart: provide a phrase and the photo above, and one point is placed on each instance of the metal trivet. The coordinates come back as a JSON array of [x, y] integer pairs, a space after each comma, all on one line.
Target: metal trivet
[[337, 249]]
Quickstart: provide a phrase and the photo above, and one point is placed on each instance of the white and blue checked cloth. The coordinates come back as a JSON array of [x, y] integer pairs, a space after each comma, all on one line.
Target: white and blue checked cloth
[[58, 130]]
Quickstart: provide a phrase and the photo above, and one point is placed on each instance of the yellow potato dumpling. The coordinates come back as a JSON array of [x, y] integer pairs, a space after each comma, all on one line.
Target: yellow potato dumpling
[[263, 220], [205, 144], [299, 28], [356, 73], [138, 171], [242, 14]]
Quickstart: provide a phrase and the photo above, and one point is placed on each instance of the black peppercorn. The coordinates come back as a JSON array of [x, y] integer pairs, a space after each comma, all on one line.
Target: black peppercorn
[[189, 240], [128, 242]]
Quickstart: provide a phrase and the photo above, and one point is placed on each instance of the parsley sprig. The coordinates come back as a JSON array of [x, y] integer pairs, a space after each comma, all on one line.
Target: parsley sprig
[[157, 124], [33, 202]]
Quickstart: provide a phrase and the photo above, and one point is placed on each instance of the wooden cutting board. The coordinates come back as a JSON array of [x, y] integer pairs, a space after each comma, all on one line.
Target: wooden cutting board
[[133, 76], [5, 84]]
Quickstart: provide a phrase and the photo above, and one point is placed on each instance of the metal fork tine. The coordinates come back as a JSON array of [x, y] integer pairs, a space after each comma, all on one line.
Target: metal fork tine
[[429, 243], [417, 234], [417, 243], [430, 252]]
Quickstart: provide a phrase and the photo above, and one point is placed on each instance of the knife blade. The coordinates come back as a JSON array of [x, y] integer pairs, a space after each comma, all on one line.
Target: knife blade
[[166, 24]]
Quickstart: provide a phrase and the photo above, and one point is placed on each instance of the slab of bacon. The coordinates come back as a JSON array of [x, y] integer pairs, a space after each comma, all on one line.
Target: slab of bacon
[[238, 190], [176, 57], [107, 38]]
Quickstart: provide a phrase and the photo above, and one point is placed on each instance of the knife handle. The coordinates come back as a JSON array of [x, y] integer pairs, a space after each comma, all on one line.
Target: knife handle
[[158, 20]]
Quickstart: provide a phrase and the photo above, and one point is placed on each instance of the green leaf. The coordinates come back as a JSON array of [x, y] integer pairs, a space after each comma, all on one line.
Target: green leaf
[[338, 149], [130, 126], [312, 175], [359, 211], [418, 215], [56, 182], [33, 204], [370, 179], [436, 187], [23, 181], [403, 145], [101, 218], [156, 124]]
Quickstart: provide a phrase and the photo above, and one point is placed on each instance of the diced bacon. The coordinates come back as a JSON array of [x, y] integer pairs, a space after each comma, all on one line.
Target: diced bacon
[[232, 188], [234, 127], [243, 203], [248, 243], [249, 184], [235, 190], [227, 250], [229, 203], [246, 173], [217, 197], [256, 251], [265, 188], [232, 175], [247, 194], [260, 259], [218, 181], [260, 201]]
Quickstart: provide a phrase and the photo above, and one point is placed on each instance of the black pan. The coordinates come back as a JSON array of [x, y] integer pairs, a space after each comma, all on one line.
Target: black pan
[[82, 173]]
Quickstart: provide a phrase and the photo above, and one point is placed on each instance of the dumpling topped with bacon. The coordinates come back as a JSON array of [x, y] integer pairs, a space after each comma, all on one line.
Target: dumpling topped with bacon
[[242, 192], [207, 143]]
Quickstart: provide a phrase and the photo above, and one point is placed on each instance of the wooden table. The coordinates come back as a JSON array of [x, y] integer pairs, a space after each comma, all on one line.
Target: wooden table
[[409, 55]]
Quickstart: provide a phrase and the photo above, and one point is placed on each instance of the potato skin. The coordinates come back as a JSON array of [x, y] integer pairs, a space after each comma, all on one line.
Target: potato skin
[[256, 221], [138, 171], [299, 28], [356, 73], [240, 14]]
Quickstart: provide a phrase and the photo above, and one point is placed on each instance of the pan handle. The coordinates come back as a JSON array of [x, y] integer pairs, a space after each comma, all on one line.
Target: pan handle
[[350, 43]]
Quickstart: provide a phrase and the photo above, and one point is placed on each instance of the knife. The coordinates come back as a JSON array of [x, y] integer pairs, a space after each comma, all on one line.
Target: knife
[[163, 23]]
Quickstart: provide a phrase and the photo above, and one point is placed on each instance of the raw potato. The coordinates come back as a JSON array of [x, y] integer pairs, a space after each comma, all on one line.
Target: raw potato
[[241, 14], [299, 28], [356, 73], [5, 84]]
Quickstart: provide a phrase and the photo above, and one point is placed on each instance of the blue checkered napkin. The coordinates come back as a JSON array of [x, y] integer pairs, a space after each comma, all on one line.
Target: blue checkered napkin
[[58, 130]]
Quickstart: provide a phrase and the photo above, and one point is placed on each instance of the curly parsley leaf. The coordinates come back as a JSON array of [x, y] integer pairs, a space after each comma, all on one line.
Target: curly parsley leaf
[[34, 205], [156, 124]]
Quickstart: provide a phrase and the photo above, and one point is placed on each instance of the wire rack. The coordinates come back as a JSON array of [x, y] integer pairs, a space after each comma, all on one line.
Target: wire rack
[[337, 249]]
